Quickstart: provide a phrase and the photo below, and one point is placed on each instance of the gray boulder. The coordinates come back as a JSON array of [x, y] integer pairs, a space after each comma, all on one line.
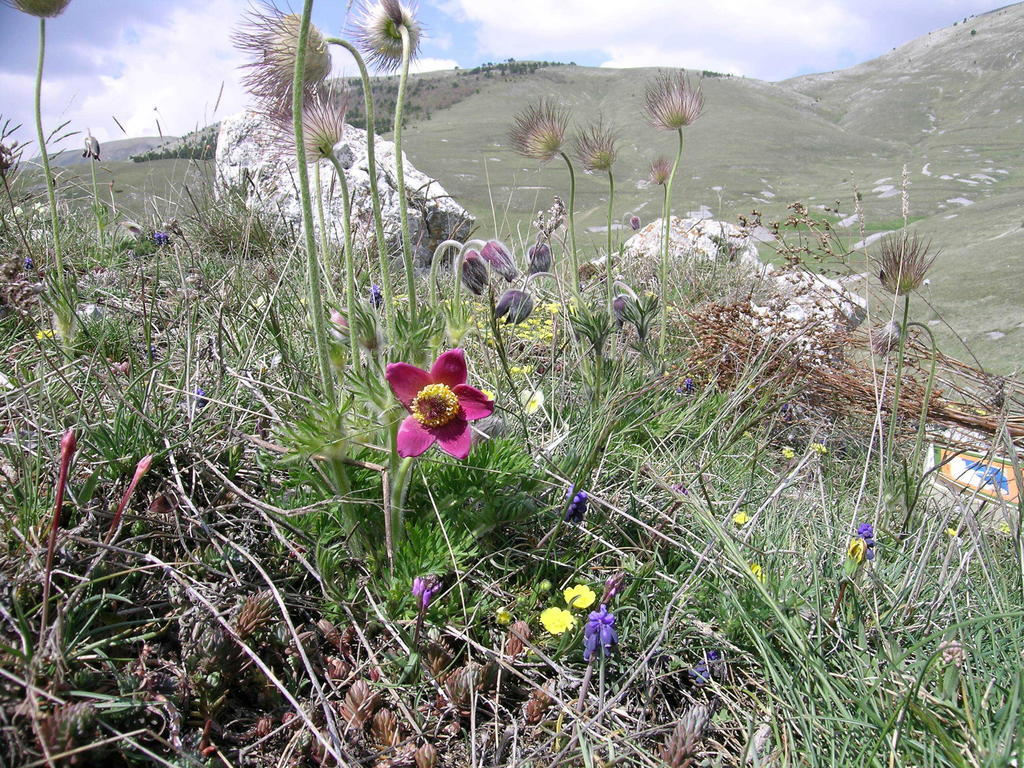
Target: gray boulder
[[249, 155]]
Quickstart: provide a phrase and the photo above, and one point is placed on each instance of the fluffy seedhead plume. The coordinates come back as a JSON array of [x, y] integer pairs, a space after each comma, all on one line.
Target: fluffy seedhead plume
[[661, 169], [379, 33], [271, 38], [595, 147], [885, 338], [40, 8], [323, 123], [671, 103], [903, 262], [538, 132]]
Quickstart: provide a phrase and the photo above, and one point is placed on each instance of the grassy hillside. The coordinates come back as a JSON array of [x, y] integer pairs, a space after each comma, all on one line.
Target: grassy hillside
[[122, 149]]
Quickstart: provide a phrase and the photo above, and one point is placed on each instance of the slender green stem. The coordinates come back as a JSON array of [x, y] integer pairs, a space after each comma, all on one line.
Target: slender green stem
[[51, 193], [895, 411], [96, 201], [324, 246], [371, 169], [608, 255], [667, 214], [403, 205], [350, 261], [316, 306], [435, 263], [573, 256]]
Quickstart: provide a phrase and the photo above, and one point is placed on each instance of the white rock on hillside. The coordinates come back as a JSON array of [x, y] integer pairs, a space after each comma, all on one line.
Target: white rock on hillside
[[248, 155], [798, 296]]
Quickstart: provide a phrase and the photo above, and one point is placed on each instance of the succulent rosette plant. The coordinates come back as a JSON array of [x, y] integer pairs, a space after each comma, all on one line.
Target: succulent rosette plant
[[440, 404]]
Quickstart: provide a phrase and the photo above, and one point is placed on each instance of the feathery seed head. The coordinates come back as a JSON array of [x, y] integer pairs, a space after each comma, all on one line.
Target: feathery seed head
[[595, 147], [903, 262], [661, 169], [40, 8], [539, 131], [323, 123], [671, 102], [272, 39], [379, 33]]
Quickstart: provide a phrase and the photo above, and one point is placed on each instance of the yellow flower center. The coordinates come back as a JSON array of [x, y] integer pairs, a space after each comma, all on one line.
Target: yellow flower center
[[435, 405]]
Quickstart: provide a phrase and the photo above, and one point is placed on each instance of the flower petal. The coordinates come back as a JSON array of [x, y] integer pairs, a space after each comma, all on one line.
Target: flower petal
[[450, 368], [475, 404], [455, 437], [406, 381], [413, 439]]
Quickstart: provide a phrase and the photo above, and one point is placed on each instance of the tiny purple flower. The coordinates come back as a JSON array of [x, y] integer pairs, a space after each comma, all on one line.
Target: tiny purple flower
[[599, 635], [161, 238], [201, 400], [613, 586], [634, 222], [424, 588], [577, 506], [376, 296], [29, 264], [866, 531]]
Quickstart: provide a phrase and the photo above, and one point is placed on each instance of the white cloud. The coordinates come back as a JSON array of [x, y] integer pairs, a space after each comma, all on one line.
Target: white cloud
[[432, 65], [172, 73]]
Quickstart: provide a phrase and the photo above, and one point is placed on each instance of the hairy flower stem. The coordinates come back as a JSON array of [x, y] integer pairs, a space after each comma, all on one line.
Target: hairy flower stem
[[573, 259], [350, 261], [403, 205], [371, 169], [51, 193], [895, 410], [316, 306], [608, 257], [324, 247], [667, 214], [96, 202]]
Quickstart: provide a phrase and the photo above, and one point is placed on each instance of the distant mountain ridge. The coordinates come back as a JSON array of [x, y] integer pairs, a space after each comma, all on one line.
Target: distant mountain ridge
[[110, 151]]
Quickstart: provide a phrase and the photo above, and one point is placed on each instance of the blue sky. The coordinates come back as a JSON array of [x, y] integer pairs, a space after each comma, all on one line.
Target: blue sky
[[146, 62]]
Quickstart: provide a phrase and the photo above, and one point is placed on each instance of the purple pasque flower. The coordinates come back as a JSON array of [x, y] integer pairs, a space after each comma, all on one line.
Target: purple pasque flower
[[619, 305], [474, 272], [599, 635], [538, 258], [515, 306], [499, 257], [634, 222], [423, 589], [577, 506]]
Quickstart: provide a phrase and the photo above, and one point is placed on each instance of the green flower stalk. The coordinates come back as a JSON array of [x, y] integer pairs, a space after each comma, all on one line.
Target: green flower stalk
[[51, 192], [389, 35], [538, 133], [316, 307], [371, 163], [595, 148], [671, 104]]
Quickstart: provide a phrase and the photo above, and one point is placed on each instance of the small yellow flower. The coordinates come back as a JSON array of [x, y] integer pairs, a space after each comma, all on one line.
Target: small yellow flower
[[741, 518], [46, 333], [519, 370], [532, 400], [580, 597], [819, 448], [1004, 527], [488, 394], [788, 453], [953, 532], [758, 572], [858, 550], [557, 620], [503, 616]]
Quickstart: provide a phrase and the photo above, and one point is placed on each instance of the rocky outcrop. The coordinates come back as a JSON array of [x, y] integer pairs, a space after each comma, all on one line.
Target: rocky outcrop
[[797, 296], [249, 157]]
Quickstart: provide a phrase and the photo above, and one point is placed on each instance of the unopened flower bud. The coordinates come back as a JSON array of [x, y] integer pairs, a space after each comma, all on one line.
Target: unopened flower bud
[[500, 258], [539, 258], [619, 305], [474, 272], [515, 306], [634, 222]]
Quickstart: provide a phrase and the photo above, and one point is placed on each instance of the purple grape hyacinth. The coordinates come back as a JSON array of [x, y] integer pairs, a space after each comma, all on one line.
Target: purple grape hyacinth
[[866, 531], [599, 635], [577, 507]]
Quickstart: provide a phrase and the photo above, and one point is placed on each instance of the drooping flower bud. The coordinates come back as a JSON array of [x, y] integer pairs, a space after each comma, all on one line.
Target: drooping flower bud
[[500, 258], [474, 272], [619, 305], [515, 306], [634, 222], [538, 258]]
